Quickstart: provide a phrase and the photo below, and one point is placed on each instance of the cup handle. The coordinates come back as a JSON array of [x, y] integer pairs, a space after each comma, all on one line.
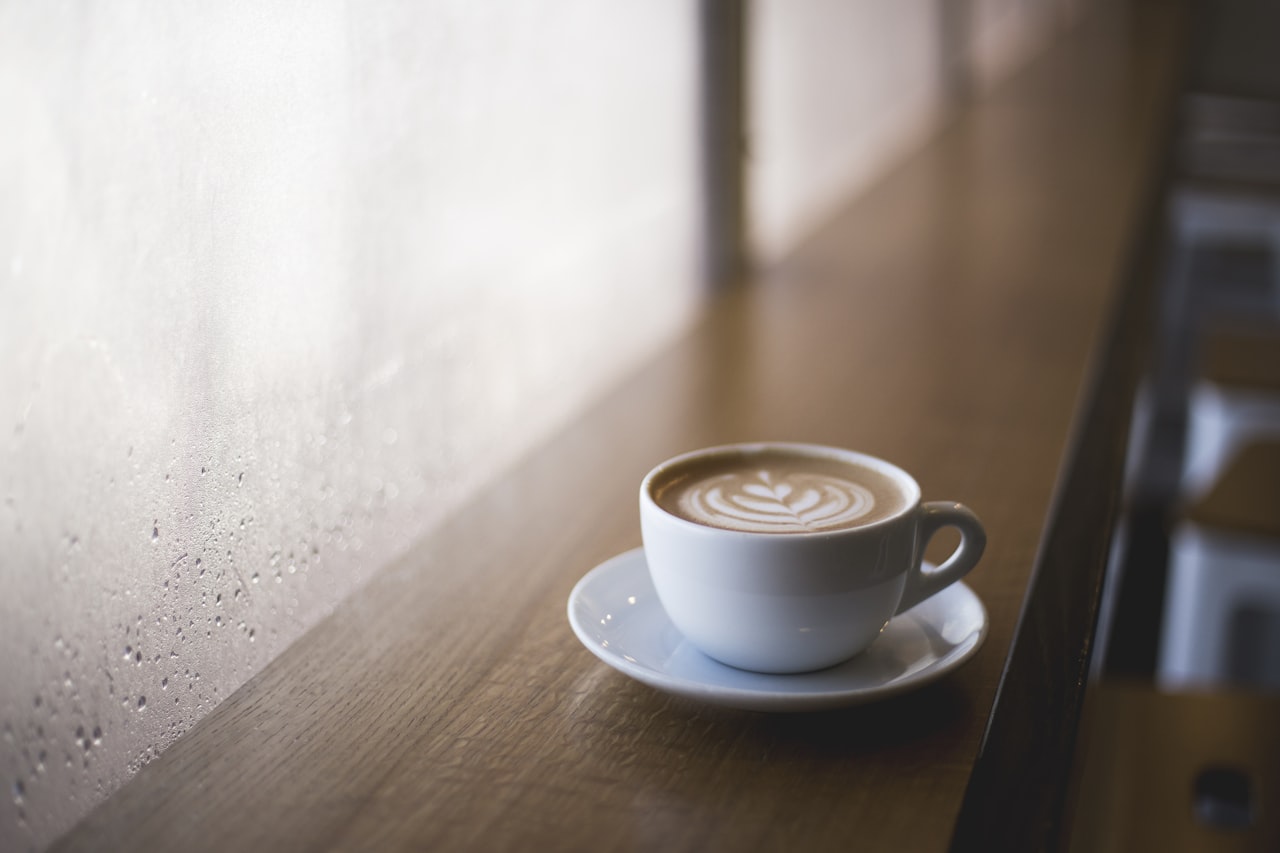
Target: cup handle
[[973, 539]]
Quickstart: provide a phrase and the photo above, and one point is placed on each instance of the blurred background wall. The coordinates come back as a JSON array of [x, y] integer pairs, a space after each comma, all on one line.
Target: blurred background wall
[[841, 91], [282, 283]]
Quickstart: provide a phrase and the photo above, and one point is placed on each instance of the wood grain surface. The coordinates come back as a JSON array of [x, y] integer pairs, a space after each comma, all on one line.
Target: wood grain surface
[[946, 321]]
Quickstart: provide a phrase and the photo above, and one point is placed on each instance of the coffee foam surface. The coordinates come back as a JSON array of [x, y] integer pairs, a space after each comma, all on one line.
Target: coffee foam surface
[[778, 495]]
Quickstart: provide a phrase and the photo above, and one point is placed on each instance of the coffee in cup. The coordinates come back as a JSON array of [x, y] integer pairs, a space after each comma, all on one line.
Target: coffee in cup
[[784, 557], [776, 490]]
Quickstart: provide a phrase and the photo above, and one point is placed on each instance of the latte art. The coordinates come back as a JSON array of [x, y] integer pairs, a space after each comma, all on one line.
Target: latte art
[[765, 501], [777, 491]]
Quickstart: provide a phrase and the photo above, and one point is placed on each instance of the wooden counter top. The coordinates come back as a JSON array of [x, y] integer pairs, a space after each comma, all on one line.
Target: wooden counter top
[[947, 321]]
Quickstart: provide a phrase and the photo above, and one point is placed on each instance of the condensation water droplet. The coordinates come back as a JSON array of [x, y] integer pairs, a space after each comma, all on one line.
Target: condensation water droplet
[[164, 684], [218, 600], [251, 632], [217, 621], [237, 595], [142, 702], [128, 652], [155, 532], [97, 735], [254, 579]]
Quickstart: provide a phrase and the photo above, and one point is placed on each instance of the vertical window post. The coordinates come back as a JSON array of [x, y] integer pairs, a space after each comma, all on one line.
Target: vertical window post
[[722, 28]]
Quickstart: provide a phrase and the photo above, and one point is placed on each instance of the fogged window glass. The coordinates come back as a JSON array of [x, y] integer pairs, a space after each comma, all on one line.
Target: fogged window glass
[[280, 288]]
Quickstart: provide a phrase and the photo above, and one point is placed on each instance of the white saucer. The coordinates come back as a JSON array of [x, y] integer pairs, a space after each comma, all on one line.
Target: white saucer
[[617, 615]]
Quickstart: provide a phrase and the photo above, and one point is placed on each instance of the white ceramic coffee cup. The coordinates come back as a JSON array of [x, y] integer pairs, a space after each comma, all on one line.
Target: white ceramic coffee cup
[[798, 601]]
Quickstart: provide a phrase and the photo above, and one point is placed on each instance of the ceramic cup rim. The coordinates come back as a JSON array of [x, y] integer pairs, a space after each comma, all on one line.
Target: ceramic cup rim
[[899, 475]]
